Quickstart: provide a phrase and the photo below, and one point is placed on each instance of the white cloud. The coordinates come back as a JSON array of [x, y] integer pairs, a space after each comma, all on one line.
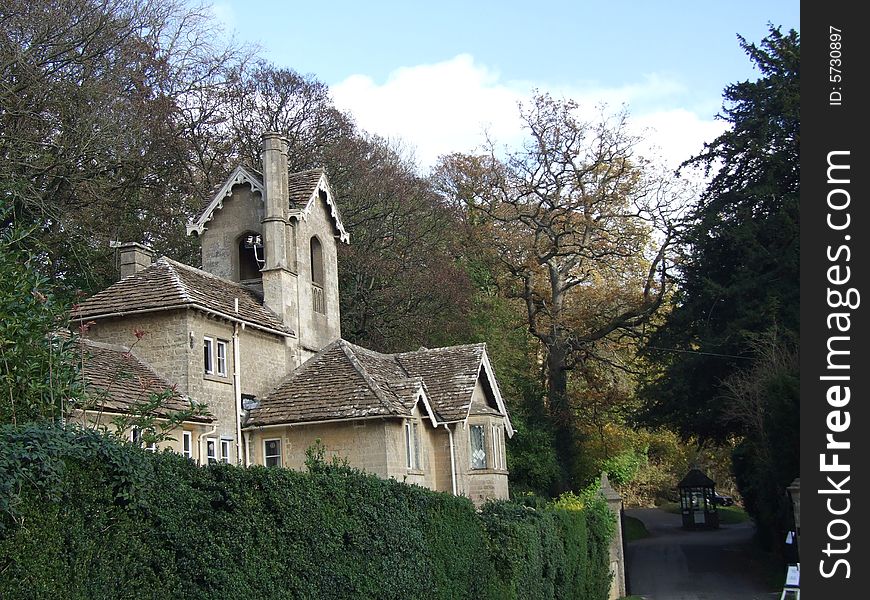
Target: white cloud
[[447, 106], [225, 15]]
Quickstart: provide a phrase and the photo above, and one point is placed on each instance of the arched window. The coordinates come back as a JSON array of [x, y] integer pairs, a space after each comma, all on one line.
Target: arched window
[[316, 254], [251, 257], [316, 262]]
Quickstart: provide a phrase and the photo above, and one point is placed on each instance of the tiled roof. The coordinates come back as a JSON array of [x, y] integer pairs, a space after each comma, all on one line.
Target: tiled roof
[[168, 283], [116, 381], [696, 478], [301, 186], [330, 385], [450, 374], [346, 381]]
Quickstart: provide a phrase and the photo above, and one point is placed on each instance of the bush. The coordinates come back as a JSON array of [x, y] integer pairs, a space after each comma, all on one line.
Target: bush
[[85, 516]]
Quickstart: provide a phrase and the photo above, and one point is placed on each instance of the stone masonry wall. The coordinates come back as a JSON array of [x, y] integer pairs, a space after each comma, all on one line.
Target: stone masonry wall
[[264, 361], [241, 212], [361, 442], [317, 330], [163, 347]]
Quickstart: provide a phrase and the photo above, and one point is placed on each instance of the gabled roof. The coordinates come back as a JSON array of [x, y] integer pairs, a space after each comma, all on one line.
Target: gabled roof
[[345, 381], [240, 175], [696, 478], [117, 381], [168, 284], [303, 189]]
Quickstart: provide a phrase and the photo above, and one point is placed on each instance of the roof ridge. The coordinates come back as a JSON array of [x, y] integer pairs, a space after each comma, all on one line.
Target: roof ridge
[[103, 345], [170, 265], [320, 169], [375, 387], [441, 348], [203, 273], [391, 357]]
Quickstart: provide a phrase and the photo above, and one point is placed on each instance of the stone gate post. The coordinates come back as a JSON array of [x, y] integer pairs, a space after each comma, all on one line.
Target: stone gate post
[[617, 552]]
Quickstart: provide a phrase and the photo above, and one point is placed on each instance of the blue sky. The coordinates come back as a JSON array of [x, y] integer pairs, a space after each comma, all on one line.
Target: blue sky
[[436, 74]]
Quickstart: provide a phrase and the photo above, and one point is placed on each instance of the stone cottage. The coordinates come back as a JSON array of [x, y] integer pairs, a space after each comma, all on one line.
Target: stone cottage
[[255, 335]]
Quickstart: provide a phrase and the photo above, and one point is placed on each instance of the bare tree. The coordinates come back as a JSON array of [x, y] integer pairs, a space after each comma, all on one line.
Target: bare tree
[[582, 227], [96, 98]]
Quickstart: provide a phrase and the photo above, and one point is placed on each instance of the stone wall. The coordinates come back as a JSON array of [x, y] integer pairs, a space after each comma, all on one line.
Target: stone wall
[[361, 442], [316, 330], [242, 211], [173, 347], [163, 347]]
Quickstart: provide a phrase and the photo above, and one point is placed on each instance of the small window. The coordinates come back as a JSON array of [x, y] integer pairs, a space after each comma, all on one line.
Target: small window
[[477, 434], [412, 445], [187, 444], [498, 458], [221, 356], [225, 450], [211, 451], [272, 453], [208, 355], [316, 262]]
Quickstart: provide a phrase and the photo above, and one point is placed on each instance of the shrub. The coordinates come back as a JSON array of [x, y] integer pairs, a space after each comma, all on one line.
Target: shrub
[[83, 515]]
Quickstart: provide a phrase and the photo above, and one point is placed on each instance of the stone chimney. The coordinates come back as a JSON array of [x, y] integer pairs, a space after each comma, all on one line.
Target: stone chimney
[[274, 160], [134, 257], [280, 291]]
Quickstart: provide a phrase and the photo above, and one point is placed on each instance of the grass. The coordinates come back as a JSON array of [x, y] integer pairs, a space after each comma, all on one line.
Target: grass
[[731, 515], [634, 529]]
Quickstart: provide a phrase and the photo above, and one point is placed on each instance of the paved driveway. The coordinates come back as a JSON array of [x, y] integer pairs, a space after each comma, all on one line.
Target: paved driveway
[[675, 564]]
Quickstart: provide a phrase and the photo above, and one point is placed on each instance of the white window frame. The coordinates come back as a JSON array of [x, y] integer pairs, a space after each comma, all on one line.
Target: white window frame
[[498, 457], [187, 444], [412, 446], [220, 365], [136, 438], [208, 355], [483, 448], [226, 449], [279, 456], [211, 450]]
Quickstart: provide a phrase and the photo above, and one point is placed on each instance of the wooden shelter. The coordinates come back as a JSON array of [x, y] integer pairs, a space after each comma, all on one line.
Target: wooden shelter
[[696, 501]]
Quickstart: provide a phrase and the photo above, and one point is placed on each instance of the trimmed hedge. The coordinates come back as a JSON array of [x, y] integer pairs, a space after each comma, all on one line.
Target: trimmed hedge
[[84, 516]]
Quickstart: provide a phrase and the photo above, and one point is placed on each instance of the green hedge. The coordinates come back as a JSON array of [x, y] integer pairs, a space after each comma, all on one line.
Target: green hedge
[[83, 516]]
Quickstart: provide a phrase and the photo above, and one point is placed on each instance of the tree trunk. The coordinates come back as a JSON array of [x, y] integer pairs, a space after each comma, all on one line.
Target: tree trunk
[[561, 415]]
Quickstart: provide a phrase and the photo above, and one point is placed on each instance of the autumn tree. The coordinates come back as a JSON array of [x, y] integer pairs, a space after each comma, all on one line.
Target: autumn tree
[[264, 97], [401, 283], [580, 225]]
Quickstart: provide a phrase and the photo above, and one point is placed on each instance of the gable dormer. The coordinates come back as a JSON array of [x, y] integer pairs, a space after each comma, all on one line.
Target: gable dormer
[[230, 228]]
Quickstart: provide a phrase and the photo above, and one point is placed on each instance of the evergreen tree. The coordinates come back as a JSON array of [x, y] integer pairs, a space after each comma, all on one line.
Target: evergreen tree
[[740, 270], [726, 355]]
